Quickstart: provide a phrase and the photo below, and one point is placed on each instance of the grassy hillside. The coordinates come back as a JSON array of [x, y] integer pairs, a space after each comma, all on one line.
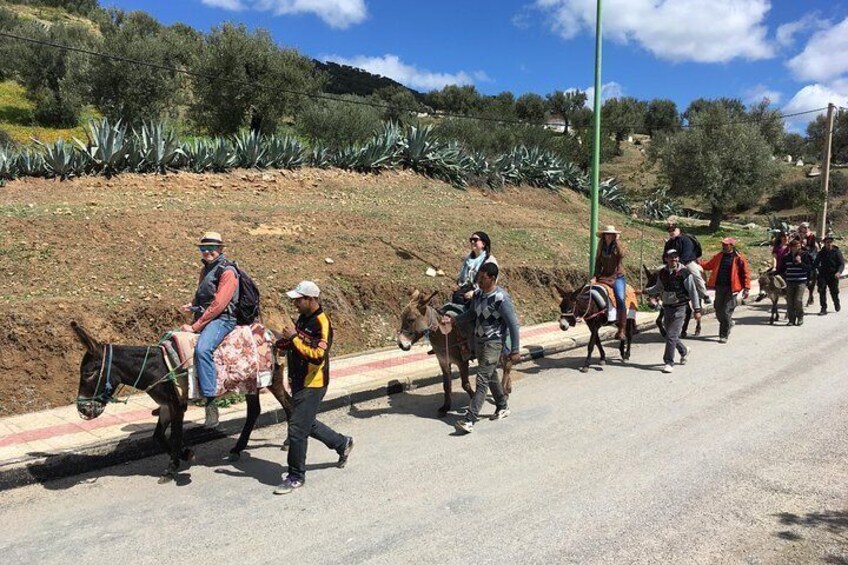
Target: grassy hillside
[[17, 121]]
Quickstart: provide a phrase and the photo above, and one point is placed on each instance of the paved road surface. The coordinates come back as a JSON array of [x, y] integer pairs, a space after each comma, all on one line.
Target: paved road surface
[[739, 457]]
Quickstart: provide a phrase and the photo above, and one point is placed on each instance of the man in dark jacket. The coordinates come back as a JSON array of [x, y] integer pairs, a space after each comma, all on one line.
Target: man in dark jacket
[[308, 345], [688, 251], [829, 264]]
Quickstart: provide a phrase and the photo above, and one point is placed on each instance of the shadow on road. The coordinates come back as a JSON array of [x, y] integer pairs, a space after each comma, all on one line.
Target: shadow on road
[[833, 525]]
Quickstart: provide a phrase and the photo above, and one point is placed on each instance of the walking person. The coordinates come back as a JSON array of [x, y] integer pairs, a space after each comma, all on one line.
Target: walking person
[[676, 288], [829, 264], [797, 267], [811, 246], [609, 270], [730, 275], [689, 250], [308, 346], [495, 324], [214, 308]]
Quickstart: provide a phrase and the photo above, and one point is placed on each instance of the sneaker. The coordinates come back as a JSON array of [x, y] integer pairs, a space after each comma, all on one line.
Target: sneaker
[[790, 323], [722, 340], [345, 453], [760, 297], [288, 485], [464, 425], [823, 312], [799, 322], [500, 414], [685, 357], [668, 369]]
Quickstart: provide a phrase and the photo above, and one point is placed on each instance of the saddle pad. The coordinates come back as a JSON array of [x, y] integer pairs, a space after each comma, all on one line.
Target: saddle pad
[[604, 294], [244, 361]]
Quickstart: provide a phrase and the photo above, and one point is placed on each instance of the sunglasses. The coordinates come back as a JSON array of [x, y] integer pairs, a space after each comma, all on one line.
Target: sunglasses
[[473, 239], [208, 248]]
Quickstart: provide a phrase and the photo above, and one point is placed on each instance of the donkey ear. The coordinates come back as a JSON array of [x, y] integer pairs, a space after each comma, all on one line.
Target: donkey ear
[[429, 298], [562, 292], [89, 342], [414, 294]]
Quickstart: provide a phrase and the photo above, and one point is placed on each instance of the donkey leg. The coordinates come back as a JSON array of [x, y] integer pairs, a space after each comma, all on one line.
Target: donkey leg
[[168, 416], [254, 408], [603, 354], [465, 380], [447, 386], [506, 379], [589, 350]]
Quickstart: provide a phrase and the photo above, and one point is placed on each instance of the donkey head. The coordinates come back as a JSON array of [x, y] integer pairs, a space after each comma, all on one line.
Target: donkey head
[[92, 395], [414, 322], [568, 299]]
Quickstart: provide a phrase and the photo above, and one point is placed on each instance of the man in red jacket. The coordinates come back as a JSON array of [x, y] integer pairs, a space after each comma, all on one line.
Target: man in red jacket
[[729, 275]]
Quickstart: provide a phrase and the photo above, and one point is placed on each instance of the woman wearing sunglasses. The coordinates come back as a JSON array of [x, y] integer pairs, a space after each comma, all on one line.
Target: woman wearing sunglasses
[[480, 254]]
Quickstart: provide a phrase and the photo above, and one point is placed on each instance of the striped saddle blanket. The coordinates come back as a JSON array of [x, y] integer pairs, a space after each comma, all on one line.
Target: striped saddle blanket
[[604, 297], [244, 361]]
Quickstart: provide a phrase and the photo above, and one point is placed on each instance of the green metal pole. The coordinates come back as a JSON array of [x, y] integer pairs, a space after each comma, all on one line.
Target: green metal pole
[[596, 149]]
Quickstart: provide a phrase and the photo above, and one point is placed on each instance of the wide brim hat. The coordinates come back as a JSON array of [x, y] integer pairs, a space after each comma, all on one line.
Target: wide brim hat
[[211, 238], [609, 229]]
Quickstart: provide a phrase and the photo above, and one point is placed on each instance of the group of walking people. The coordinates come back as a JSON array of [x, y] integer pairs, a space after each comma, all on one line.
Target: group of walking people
[[483, 314]]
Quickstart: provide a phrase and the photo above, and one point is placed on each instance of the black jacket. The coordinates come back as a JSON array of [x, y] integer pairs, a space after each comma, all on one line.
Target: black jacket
[[829, 263], [684, 246]]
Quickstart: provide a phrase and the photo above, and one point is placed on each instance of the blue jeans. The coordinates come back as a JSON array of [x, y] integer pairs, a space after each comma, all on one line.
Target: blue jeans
[[204, 363], [619, 289]]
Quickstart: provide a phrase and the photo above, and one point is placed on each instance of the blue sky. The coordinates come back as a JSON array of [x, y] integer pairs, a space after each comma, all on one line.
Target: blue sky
[[794, 52]]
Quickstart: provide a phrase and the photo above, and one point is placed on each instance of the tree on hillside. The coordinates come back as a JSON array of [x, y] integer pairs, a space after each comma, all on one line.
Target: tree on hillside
[[337, 124], [401, 103], [81, 7], [566, 104], [623, 116], [269, 79], [816, 133], [720, 162], [50, 76], [132, 93], [501, 106], [661, 117], [456, 99], [733, 106], [795, 145], [532, 108], [770, 123]]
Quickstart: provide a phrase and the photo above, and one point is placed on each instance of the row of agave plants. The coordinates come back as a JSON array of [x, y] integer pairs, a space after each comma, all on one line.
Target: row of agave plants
[[111, 149]]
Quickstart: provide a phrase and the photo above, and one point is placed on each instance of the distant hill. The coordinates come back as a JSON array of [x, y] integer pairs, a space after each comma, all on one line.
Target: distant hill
[[344, 79]]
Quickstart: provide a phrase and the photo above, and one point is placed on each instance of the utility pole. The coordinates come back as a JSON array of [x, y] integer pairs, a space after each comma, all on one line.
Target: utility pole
[[596, 153], [828, 143]]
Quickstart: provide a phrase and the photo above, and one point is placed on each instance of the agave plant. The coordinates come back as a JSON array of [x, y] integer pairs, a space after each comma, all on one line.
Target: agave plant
[[7, 164], [660, 206], [61, 160], [250, 150], [612, 195], [108, 146], [319, 157], [381, 151], [285, 152], [29, 163], [156, 148], [425, 154], [223, 155]]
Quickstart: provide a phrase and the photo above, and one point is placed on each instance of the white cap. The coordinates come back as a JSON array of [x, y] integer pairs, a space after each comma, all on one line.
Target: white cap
[[304, 288], [804, 225]]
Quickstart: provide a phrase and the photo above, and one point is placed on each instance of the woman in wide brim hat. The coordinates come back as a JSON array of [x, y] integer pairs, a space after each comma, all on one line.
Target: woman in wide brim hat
[[609, 269]]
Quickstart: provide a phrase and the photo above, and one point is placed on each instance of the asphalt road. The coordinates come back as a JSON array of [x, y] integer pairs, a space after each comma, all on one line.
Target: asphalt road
[[739, 457]]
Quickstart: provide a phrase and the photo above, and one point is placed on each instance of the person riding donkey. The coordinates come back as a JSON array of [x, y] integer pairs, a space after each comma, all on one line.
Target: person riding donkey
[[676, 288], [214, 309], [829, 264], [730, 275], [689, 251], [609, 271]]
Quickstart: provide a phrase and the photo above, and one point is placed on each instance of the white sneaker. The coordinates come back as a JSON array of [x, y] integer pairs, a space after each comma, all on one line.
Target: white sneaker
[[668, 368], [500, 414], [464, 425], [685, 357]]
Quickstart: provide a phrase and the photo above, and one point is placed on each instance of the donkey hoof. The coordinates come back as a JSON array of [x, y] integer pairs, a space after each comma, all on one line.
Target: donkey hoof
[[584, 369], [233, 456], [187, 455], [443, 410], [167, 477], [602, 362]]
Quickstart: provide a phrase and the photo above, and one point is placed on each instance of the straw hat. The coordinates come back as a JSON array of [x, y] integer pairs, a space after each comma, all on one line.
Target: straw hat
[[608, 229], [211, 238]]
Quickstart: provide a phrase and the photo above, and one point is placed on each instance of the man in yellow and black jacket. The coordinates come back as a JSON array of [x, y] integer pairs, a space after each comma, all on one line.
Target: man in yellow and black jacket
[[308, 357]]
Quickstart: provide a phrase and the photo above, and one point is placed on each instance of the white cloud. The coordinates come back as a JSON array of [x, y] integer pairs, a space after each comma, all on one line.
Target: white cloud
[[825, 56], [391, 66], [335, 13], [814, 96], [758, 93], [704, 31], [786, 33], [608, 90]]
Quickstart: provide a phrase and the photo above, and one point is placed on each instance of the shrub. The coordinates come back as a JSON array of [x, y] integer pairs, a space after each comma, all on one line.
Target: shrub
[[338, 124]]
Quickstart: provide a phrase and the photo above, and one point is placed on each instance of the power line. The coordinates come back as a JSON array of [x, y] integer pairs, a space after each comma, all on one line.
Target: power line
[[315, 96]]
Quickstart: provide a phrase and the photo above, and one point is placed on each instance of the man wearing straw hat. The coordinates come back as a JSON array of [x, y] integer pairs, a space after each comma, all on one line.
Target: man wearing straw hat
[[729, 276], [609, 270], [214, 308]]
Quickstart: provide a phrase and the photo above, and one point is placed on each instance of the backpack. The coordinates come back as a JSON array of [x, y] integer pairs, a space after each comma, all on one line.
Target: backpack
[[697, 244], [247, 307]]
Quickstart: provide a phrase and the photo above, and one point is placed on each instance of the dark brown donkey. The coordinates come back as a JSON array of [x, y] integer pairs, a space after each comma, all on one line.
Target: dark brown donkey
[[420, 317], [105, 367], [579, 305]]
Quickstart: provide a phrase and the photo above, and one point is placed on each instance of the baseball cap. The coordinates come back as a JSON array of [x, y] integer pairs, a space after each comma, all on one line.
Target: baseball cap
[[304, 288], [671, 252], [728, 241]]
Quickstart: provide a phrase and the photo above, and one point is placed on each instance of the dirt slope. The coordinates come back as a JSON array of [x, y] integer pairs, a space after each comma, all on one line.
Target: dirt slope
[[118, 255]]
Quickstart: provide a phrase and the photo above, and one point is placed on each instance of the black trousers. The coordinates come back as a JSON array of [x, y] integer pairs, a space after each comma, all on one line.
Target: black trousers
[[303, 425], [828, 283]]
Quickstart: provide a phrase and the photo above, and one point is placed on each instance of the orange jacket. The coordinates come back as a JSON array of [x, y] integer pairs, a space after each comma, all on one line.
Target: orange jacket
[[740, 273]]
